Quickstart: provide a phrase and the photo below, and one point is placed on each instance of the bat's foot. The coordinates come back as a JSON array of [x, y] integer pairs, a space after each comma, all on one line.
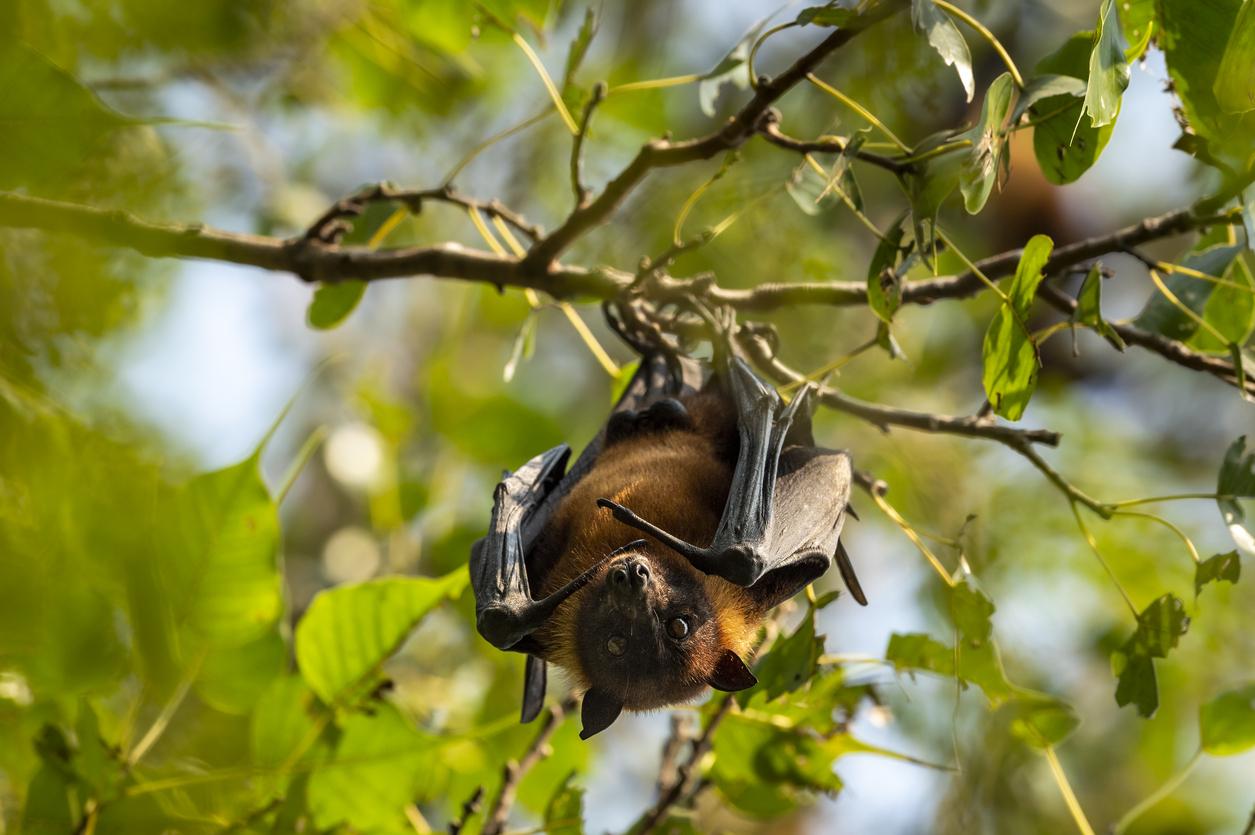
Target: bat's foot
[[662, 416]]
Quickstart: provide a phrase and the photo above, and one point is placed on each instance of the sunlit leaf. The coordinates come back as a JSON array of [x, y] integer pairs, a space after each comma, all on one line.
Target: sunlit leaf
[[1159, 628], [1046, 86], [1230, 309], [1235, 79], [1237, 481], [987, 159], [884, 284], [283, 722], [1042, 722], [1108, 69], [946, 38], [732, 69], [233, 678], [1227, 722], [980, 666], [792, 660], [1010, 358], [1162, 316], [1065, 143], [829, 15], [765, 770], [348, 632], [971, 610], [1137, 20], [375, 770]]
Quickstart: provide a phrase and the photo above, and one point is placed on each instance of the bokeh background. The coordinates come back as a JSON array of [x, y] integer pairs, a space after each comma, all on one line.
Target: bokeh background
[[118, 372]]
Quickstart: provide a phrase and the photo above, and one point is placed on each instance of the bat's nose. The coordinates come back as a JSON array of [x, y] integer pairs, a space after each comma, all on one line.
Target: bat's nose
[[631, 575]]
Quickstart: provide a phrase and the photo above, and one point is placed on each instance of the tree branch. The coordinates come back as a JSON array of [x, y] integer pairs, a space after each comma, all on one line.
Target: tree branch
[[685, 774], [514, 772]]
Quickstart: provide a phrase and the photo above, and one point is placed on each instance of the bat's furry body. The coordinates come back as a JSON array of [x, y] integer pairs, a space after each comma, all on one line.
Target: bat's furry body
[[740, 511]]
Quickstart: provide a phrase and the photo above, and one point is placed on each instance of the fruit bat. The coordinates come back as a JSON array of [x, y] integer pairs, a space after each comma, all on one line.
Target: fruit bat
[[645, 570]]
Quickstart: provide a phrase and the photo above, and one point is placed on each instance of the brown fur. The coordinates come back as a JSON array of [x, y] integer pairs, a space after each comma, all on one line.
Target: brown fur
[[679, 479]]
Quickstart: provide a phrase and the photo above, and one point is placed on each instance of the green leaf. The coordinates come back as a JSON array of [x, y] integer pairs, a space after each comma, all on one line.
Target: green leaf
[[980, 666], [1065, 143], [1214, 569], [1108, 69], [829, 15], [927, 185], [946, 38], [884, 284], [792, 661], [579, 47], [348, 632], [1089, 309], [1227, 722], [51, 122], [565, 813], [1230, 309], [1137, 20], [1163, 317], [1235, 79], [809, 190], [988, 158], [1046, 86], [1195, 36], [376, 769], [1010, 360], [841, 176], [1237, 480], [232, 679], [282, 722], [233, 593], [1159, 628], [732, 69], [49, 809], [765, 770], [971, 610], [1041, 721], [332, 303]]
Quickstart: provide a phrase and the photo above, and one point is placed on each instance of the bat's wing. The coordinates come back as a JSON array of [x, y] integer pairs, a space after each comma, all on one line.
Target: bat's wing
[[505, 565], [781, 526]]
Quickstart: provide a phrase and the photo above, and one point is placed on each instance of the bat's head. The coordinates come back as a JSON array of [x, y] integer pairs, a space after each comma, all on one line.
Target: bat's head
[[653, 631]]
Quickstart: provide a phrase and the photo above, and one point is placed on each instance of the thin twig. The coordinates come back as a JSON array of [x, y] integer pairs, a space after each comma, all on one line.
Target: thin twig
[[514, 772], [582, 192], [669, 765], [469, 809], [825, 145], [686, 774]]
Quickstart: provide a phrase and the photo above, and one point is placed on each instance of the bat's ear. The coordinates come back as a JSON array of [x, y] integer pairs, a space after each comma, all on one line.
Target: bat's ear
[[731, 674], [599, 712]]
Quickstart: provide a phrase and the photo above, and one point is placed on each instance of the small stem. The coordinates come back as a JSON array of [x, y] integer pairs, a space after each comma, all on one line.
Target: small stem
[[1170, 498], [1093, 546], [554, 94], [654, 84], [931, 153], [298, 464], [988, 36], [749, 61], [1189, 545], [159, 725], [1157, 795], [479, 148], [824, 370], [857, 108], [893, 514], [845, 198], [1065, 788], [1184, 308]]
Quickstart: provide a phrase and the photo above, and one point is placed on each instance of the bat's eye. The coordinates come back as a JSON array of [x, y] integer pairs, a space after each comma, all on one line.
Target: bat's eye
[[616, 644], [678, 628]]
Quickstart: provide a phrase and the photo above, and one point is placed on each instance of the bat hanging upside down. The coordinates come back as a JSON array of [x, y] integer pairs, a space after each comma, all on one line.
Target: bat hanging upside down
[[739, 511]]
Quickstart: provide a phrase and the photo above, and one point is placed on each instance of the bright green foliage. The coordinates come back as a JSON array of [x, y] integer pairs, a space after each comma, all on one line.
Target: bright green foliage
[[988, 159], [792, 661], [1214, 569], [332, 303], [1227, 722], [1065, 142], [350, 631], [1159, 627], [1108, 69], [1089, 308], [565, 813], [1010, 354], [1160, 315], [1237, 481], [944, 36]]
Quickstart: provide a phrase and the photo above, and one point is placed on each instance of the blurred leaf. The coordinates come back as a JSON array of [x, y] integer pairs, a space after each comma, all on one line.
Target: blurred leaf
[[980, 666], [731, 69], [792, 660], [1108, 69], [232, 679], [48, 809], [332, 303], [1010, 358], [232, 592], [971, 610], [282, 722], [1159, 627], [841, 176], [51, 122], [1194, 35], [1214, 569], [1042, 722], [988, 158], [1237, 479], [1065, 143], [832, 14], [522, 348], [809, 190], [1137, 20], [579, 47], [946, 38], [927, 185], [375, 770], [565, 813], [97, 764], [1089, 308], [1227, 722], [1163, 317], [349, 631], [884, 284], [1230, 309], [1235, 79], [626, 372]]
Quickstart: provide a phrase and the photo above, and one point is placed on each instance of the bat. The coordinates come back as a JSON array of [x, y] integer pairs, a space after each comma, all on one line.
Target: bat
[[738, 508]]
